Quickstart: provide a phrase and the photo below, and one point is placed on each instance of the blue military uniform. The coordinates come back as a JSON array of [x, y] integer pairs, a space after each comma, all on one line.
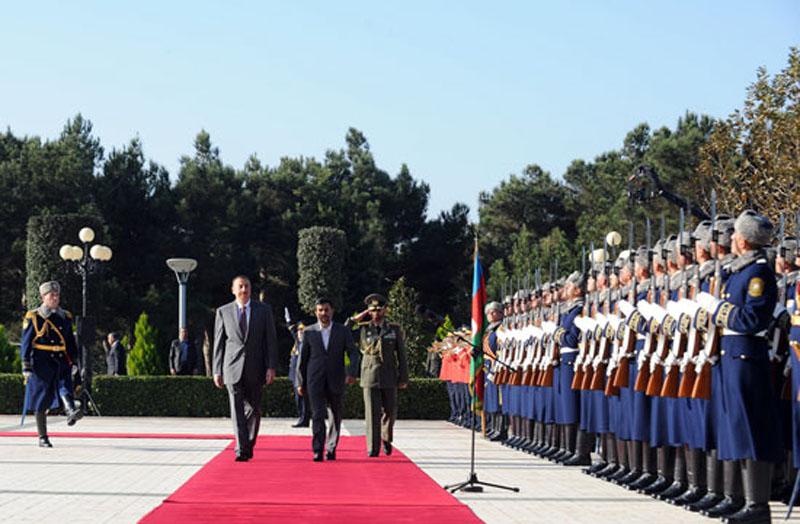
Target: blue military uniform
[[48, 349]]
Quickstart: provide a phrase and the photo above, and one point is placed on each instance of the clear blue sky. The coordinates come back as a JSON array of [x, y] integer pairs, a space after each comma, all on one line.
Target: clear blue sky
[[463, 92]]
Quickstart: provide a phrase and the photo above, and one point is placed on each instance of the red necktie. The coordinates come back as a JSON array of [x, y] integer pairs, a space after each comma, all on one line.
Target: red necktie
[[243, 322]]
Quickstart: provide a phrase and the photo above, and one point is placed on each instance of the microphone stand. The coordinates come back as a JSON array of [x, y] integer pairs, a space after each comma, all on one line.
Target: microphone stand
[[472, 484]]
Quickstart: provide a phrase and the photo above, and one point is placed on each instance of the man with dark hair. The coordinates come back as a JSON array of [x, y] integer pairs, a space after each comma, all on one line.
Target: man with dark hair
[[245, 357], [321, 375], [116, 359], [182, 354]]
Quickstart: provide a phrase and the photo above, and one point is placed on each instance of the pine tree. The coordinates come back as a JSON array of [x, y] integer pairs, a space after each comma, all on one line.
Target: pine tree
[[143, 359]]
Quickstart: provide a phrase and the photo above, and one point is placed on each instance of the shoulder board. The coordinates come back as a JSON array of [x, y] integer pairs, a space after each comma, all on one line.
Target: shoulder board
[[68, 314], [30, 314]]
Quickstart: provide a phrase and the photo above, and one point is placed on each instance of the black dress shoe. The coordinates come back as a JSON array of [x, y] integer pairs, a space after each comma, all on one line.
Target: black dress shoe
[[578, 460], [300, 424], [642, 482], [330, 455], [372, 454], [750, 514], [317, 456], [241, 458], [607, 471], [615, 478], [728, 506], [44, 442], [674, 491], [594, 468], [74, 416], [692, 495], [387, 448], [629, 478], [660, 484], [710, 500]]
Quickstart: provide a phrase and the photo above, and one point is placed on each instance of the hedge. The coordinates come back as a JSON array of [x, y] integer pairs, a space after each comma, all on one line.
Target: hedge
[[320, 266], [167, 396]]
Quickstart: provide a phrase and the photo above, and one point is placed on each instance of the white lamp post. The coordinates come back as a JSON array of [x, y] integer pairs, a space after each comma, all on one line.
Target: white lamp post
[[182, 268]]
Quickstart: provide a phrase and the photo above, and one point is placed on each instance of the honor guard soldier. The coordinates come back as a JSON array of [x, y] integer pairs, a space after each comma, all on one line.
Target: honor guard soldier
[[48, 352], [749, 427], [384, 368], [491, 401]]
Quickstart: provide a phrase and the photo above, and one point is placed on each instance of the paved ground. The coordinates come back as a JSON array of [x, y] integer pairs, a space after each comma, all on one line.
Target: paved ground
[[120, 480]]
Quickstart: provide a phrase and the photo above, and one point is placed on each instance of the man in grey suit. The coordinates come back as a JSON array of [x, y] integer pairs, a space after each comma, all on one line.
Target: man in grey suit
[[245, 356], [321, 375]]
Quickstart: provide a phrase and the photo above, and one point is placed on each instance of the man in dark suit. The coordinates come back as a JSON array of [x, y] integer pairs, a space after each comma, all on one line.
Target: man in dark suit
[[245, 357], [322, 375], [117, 361], [182, 353]]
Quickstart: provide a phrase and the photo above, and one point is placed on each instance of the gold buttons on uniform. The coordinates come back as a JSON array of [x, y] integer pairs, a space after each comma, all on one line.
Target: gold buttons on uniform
[[722, 352], [742, 357]]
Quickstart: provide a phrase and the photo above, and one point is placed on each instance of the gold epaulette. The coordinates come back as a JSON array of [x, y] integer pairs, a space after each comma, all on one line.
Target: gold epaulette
[[27, 320], [68, 314]]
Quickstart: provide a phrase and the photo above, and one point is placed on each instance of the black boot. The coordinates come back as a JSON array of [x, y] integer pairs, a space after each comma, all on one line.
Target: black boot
[[665, 456], [73, 415], [568, 443], [623, 460], [583, 448], [696, 475], [679, 486], [635, 461], [756, 477], [714, 484], [41, 429], [611, 456], [734, 498]]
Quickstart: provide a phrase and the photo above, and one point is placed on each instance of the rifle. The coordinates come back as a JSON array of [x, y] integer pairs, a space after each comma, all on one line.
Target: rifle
[[656, 382], [622, 378], [780, 336], [702, 384], [671, 367], [693, 347], [577, 378], [604, 351], [552, 354], [588, 364], [643, 373]]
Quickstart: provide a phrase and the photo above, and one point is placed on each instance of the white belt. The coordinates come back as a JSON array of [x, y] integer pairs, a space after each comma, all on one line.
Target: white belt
[[565, 351], [731, 333]]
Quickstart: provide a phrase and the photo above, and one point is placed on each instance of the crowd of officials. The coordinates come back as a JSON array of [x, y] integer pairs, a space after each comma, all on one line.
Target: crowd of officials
[[674, 366]]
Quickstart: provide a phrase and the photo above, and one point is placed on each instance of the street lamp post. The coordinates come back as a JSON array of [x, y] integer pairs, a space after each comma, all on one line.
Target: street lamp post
[[85, 260], [182, 268]]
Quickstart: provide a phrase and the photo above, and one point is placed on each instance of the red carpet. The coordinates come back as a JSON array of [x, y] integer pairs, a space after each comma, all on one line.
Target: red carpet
[[282, 483], [120, 435]]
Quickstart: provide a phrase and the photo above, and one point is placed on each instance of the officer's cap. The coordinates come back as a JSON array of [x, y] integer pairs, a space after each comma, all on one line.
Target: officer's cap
[[375, 301], [492, 306], [49, 287], [702, 233], [643, 256], [576, 278], [754, 228]]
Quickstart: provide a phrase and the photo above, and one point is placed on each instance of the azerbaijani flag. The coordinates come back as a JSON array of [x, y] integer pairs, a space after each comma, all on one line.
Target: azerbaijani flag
[[478, 327]]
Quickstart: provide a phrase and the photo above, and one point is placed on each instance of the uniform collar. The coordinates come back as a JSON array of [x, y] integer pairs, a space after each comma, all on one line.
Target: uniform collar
[[45, 312], [745, 260]]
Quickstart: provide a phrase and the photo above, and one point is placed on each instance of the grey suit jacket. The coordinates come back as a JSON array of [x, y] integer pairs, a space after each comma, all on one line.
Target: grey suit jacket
[[237, 358], [320, 370]]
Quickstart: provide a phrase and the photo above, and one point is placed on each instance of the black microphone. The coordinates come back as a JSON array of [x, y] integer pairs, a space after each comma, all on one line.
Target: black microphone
[[430, 315]]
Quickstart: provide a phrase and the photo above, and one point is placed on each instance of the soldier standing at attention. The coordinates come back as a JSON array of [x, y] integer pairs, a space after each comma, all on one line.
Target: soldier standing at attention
[[383, 369], [48, 353]]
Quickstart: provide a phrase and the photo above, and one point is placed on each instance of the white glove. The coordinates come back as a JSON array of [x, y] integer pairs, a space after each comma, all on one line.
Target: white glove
[[26, 373], [601, 320], [708, 302], [645, 308], [549, 327], [626, 308], [659, 313], [585, 323], [688, 307], [74, 368], [674, 310]]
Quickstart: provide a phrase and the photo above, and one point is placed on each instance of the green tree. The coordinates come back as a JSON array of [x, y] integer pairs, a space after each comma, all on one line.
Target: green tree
[[752, 156], [403, 302], [143, 359], [10, 361], [320, 264]]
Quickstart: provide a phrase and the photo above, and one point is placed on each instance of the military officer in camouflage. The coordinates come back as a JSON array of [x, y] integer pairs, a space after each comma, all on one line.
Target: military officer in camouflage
[[48, 352], [384, 368]]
